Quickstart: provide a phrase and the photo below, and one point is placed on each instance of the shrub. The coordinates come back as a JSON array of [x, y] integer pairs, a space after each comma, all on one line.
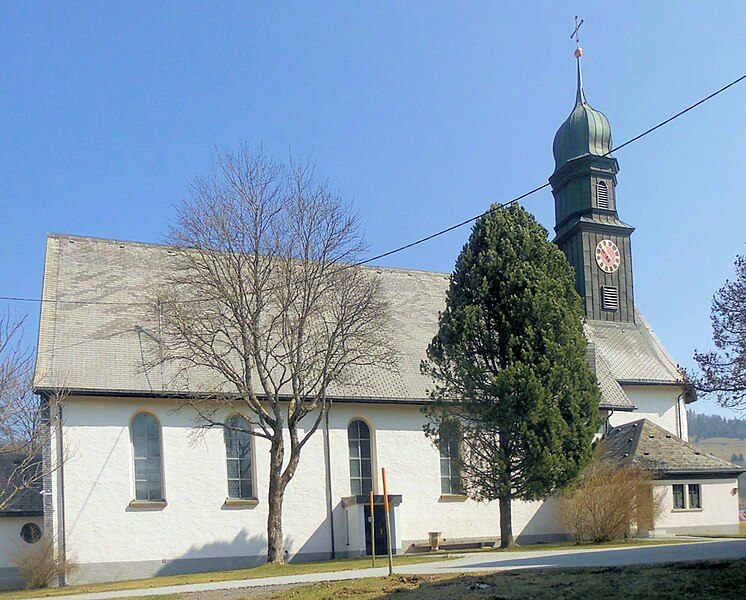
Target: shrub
[[607, 500], [39, 565]]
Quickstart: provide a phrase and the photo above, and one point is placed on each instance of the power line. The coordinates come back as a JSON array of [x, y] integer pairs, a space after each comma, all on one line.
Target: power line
[[447, 229], [541, 187]]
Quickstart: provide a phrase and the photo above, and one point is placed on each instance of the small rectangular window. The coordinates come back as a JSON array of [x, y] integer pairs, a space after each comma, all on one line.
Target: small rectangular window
[[687, 496], [678, 496]]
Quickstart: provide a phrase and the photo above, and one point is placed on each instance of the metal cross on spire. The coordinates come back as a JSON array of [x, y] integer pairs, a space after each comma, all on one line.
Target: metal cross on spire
[[576, 32]]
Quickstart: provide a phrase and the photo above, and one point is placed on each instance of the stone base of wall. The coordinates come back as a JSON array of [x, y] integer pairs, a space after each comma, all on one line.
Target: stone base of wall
[[120, 571], [10, 579], [695, 530]]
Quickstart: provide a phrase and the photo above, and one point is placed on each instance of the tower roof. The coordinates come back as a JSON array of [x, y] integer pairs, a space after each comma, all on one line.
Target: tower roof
[[585, 132]]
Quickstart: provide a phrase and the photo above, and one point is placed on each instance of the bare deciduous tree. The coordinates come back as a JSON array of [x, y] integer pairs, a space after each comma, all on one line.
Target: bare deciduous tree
[[263, 311], [723, 371], [24, 427]]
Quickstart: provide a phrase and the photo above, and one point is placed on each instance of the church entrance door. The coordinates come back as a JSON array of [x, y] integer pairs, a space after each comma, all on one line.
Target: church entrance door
[[379, 530]]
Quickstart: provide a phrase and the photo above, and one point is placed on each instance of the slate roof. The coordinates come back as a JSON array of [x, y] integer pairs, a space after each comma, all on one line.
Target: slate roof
[[633, 352], [653, 448], [27, 503], [91, 338]]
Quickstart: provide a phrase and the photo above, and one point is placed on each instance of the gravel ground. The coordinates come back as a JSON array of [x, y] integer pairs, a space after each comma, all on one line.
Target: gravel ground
[[237, 594]]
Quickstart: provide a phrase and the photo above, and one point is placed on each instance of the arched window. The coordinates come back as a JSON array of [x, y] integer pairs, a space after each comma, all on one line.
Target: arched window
[[238, 449], [358, 439], [602, 195], [146, 442]]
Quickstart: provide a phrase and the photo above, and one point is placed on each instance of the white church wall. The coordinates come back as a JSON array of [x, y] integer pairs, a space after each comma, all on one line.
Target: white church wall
[[413, 470], [11, 543], [718, 515], [102, 527], [196, 530], [10, 537], [658, 403]]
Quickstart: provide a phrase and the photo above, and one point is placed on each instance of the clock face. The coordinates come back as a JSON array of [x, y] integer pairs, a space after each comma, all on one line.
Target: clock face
[[608, 256]]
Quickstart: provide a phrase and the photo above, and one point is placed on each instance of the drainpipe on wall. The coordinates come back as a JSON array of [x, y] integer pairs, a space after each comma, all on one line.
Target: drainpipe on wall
[[678, 414], [328, 462], [61, 480]]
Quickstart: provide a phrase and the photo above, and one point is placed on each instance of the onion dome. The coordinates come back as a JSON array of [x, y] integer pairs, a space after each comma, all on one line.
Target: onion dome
[[586, 131]]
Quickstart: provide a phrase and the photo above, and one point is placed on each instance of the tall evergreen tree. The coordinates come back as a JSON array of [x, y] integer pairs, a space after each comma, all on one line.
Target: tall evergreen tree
[[510, 366]]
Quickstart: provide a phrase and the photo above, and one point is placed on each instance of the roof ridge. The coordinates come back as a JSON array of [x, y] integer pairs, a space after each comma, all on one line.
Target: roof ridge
[[162, 245]]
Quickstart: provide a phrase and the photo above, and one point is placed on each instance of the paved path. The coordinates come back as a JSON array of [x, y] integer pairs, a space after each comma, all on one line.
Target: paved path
[[483, 561]]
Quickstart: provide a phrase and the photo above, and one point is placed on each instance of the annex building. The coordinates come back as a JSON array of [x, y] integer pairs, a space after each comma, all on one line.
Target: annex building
[[138, 495]]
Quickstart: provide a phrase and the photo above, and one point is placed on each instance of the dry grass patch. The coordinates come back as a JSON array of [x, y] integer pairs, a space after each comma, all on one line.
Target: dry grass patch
[[703, 580]]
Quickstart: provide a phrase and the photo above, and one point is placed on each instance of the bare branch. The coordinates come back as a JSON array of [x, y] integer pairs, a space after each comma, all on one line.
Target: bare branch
[[260, 309]]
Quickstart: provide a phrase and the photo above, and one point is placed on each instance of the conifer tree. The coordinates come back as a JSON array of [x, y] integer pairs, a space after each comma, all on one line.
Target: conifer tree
[[510, 364]]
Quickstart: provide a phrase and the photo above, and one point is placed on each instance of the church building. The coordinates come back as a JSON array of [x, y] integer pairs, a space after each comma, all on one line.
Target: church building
[[139, 495]]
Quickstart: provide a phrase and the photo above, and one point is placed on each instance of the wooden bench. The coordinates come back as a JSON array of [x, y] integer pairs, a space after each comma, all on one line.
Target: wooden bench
[[453, 544]]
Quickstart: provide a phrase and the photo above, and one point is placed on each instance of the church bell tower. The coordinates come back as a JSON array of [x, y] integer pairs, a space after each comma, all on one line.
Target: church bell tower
[[588, 229]]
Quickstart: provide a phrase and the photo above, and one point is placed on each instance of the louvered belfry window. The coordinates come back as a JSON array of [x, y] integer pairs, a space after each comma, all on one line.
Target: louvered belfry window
[[609, 297], [602, 195]]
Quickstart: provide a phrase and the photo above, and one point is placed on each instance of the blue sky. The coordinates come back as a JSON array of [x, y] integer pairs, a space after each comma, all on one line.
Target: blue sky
[[420, 113]]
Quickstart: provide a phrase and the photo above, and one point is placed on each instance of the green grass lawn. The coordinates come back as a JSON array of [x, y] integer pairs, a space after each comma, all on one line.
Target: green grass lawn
[[254, 573]]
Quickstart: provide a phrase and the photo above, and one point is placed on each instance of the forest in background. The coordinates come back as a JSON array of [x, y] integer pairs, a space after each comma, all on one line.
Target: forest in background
[[712, 426]]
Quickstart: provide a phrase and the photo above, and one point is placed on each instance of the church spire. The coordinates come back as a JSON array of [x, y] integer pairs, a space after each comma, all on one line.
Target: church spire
[[580, 96], [587, 225], [585, 131]]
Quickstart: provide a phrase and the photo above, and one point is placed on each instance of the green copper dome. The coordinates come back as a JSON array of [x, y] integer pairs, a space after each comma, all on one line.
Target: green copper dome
[[586, 131]]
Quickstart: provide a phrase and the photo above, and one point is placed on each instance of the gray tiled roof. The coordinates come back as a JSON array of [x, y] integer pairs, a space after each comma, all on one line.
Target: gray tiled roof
[[26, 503], [94, 293], [612, 394], [632, 351], [91, 337], [650, 446]]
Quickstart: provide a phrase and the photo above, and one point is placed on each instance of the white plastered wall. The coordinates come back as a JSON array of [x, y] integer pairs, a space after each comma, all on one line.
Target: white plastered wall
[[413, 471], [718, 515], [10, 538], [661, 404], [101, 527]]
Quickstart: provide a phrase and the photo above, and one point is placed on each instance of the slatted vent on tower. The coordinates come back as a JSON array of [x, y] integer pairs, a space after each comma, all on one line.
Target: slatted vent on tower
[[602, 195], [609, 297]]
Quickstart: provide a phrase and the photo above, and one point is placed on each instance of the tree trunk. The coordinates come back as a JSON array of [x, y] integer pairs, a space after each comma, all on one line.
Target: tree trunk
[[276, 495], [506, 523]]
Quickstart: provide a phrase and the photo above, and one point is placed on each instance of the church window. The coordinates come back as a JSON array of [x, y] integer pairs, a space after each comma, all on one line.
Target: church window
[[361, 464], [238, 452], [30, 533], [448, 444], [602, 195], [146, 443], [687, 496]]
